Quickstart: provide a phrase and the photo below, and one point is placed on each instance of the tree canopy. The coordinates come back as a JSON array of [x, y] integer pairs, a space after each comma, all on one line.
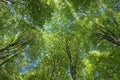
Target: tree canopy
[[59, 39]]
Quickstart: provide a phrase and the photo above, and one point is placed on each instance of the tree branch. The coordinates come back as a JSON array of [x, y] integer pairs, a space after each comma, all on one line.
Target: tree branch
[[72, 65], [7, 60], [106, 34]]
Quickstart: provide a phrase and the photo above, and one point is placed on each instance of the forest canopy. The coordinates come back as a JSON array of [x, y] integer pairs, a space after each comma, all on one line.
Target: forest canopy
[[59, 39]]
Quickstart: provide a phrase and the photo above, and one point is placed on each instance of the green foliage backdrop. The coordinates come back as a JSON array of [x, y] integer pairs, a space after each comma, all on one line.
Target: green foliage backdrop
[[59, 39]]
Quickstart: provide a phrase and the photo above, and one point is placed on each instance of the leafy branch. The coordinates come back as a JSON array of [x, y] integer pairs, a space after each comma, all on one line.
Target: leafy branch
[[16, 45], [105, 33], [71, 64]]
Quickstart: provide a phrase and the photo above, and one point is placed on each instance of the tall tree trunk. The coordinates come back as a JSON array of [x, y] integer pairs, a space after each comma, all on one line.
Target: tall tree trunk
[[71, 64]]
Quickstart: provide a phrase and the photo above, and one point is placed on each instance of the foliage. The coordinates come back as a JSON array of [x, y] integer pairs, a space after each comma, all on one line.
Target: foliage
[[59, 39]]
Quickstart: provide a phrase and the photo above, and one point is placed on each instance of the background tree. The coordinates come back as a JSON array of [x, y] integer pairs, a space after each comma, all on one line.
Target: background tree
[[59, 39]]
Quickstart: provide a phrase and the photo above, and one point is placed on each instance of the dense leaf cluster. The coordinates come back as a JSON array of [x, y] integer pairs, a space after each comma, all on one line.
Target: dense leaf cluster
[[59, 39]]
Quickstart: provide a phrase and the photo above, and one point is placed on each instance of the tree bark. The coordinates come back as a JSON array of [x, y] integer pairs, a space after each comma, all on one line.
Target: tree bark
[[71, 64]]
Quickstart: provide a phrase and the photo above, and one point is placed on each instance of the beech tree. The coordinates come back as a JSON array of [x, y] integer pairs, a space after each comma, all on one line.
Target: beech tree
[[59, 39]]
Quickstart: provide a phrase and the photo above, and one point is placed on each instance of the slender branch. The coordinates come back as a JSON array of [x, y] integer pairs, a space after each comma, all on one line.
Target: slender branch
[[106, 34], [3, 57], [17, 45], [72, 66], [7, 60]]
